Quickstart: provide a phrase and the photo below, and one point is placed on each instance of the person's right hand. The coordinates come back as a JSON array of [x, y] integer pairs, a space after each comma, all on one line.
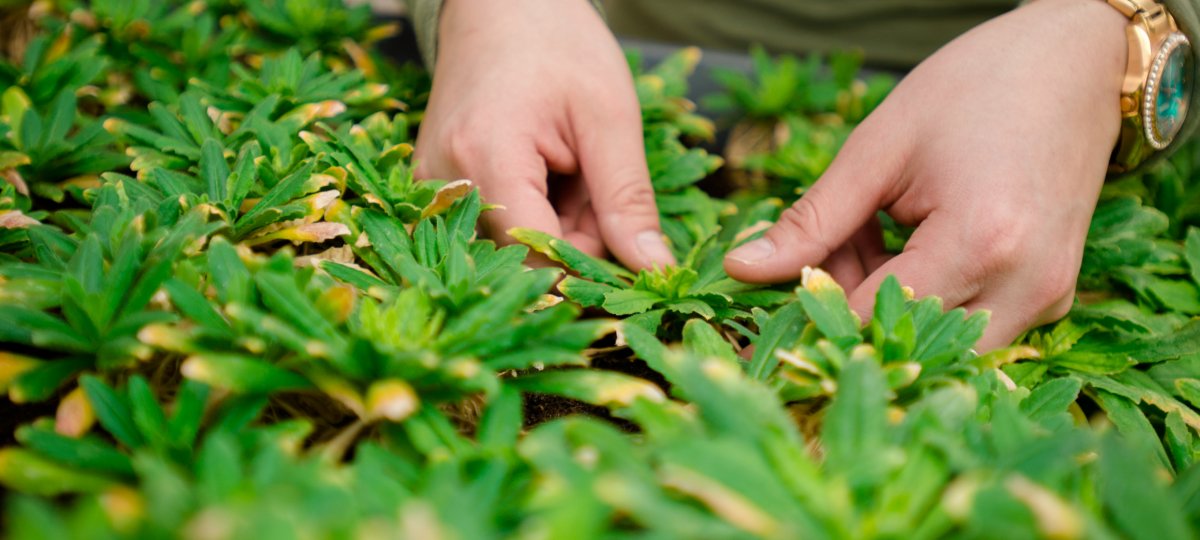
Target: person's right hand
[[533, 101]]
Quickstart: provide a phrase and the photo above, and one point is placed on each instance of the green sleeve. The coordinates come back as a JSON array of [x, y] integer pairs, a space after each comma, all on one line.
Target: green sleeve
[[425, 15]]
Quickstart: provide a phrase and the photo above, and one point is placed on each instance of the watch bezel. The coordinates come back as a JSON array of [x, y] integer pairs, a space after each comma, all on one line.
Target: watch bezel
[[1150, 94]]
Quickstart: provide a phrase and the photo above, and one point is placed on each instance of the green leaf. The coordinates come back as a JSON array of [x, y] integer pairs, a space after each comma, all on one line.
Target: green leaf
[[630, 301], [855, 426], [563, 252], [827, 308], [464, 215], [31, 518], [148, 415], [112, 411], [14, 104], [32, 327], [161, 263], [1186, 490], [1167, 373], [167, 121], [1189, 390], [284, 191], [39, 383], [1141, 388], [87, 452], [691, 306], [196, 307], [1133, 425], [1192, 253], [648, 348], [501, 423], [214, 171], [1180, 442], [1096, 363], [242, 374], [433, 433], [889, 303], [392, 242], [1051, 398], [218, 467], [649, 321], [61, 119], [189, 413], [351, 275], [230, 272], [1135, 497], [480, 327], [30, 131], [288, 301], [196, 119], [781, 330], [585, 293], [243, 178], [701, 339], [27, 472], [1179, 296], [950, 336]]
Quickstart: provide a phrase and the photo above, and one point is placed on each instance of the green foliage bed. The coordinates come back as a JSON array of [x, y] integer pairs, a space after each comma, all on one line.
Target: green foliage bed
[[242, 318]]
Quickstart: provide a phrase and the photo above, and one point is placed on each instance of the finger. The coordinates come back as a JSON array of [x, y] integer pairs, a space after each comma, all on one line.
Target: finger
[[613, 160], [569, 197], [518, 186], [932, 264], [1013, 311], [855, 260], [837, 205], [845, 266], [868, 241], [585, 234], [588, 223]]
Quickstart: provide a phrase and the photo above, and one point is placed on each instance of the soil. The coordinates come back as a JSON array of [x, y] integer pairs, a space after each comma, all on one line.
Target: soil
[[540, 408]]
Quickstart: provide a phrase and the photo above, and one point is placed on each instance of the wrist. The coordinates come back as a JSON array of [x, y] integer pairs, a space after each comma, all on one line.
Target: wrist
[[1156, 89]]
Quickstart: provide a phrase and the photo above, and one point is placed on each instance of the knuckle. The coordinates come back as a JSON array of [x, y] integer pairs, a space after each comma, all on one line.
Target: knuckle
[[606, 104], [802, 222], [998, 245], [633, 195], [1059, 309], [460, 145], [1055, 289]]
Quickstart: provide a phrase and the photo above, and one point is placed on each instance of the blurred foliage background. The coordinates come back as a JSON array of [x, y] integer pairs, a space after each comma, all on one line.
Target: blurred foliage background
[[227, 310]]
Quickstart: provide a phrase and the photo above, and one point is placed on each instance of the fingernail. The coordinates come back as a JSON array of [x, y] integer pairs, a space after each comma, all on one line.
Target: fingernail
[[753, 252], [650, 244]]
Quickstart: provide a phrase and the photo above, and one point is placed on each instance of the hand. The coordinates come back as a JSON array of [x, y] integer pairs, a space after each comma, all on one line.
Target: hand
[[996, 148], [534, 102]]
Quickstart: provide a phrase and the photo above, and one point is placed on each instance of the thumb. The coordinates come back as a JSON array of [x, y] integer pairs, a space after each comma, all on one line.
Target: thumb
[[825, 217], [613, 161]]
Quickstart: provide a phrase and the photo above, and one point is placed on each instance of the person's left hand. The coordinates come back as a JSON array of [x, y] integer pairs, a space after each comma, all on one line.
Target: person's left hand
[[995, 148]]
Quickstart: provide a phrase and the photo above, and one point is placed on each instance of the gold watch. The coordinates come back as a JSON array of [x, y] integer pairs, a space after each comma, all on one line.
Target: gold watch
[[1157, 86]]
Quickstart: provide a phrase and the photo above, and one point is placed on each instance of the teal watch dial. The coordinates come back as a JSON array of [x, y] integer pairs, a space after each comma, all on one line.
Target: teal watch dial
[[1168, 91]]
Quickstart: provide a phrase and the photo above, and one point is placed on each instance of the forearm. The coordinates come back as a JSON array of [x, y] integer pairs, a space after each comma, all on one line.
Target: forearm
[[426, 15]]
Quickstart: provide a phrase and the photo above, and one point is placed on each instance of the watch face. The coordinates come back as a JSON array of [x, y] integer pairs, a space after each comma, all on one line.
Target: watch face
[[1168, 91]]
